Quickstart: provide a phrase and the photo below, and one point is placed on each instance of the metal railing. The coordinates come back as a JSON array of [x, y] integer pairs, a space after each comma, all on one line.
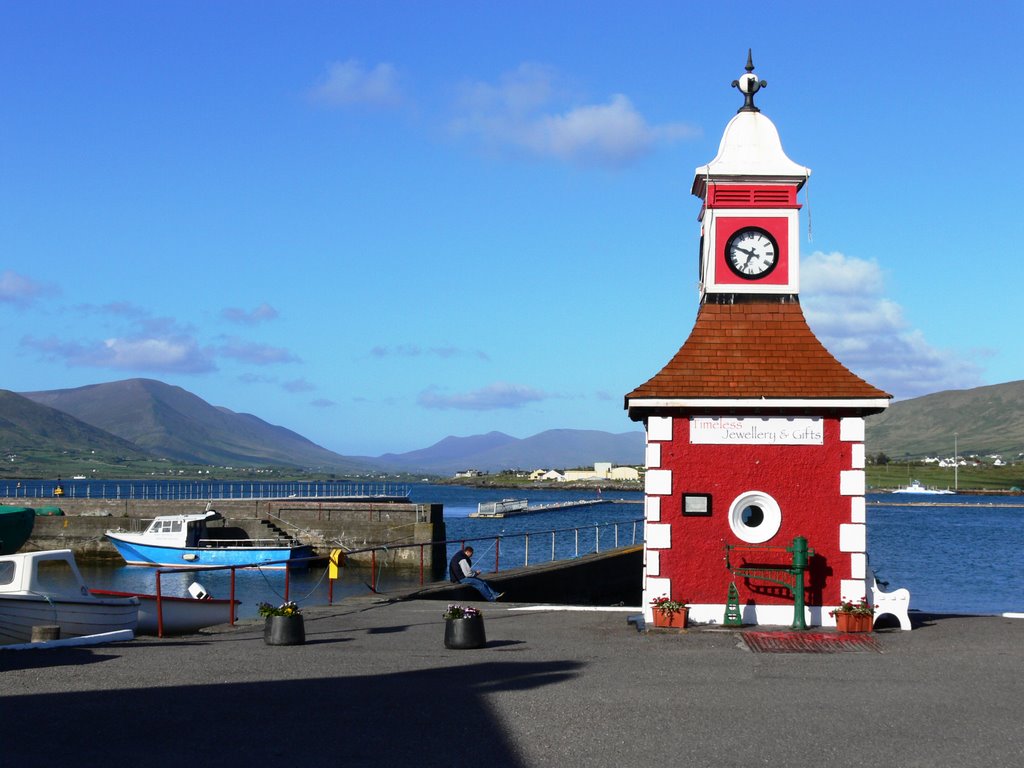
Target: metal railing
[[186, 490], [512, 555], [516, 554]]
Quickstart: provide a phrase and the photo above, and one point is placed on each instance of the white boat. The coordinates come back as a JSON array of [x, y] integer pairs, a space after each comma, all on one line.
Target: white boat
[[188, 541], [503, 508], [916, 487], [46, 589], [178, 615]]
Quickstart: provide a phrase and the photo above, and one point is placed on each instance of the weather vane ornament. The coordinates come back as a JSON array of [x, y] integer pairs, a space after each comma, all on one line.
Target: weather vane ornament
[[749, 85]]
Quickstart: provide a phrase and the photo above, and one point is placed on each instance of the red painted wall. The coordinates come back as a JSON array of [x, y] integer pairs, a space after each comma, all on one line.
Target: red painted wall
[[804, 480]]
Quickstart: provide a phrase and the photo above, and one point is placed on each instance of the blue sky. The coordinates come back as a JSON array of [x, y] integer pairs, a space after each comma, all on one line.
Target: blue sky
[[382, 223]]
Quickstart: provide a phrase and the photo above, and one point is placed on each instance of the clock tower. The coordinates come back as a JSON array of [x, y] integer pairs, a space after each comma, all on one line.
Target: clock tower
[[755, 432], [750, 217]]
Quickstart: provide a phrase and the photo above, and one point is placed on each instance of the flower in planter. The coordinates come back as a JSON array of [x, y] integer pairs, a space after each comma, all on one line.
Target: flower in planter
[[287, 609], [461, 612], [666, 606], [860, 608]]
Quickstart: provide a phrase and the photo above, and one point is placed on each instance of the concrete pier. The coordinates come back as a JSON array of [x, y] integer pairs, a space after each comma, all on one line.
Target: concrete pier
[[374, 685]]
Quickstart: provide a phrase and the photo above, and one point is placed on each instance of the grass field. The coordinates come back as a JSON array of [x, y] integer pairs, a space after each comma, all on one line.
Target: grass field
[[985, 477]]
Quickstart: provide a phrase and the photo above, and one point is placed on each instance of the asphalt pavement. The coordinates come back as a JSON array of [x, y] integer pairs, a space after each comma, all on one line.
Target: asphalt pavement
[[375, 686]]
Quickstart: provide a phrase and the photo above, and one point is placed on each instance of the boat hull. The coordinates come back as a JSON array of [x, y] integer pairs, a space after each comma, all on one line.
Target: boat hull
[[136, 553], [75, 616], [181, 615], [16, 525]]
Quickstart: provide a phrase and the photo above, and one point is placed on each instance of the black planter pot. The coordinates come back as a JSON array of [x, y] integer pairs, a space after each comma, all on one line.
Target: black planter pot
[[465, 633], [284, 630]]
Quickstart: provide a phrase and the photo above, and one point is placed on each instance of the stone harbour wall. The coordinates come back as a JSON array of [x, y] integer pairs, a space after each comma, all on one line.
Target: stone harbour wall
[[323, 523]]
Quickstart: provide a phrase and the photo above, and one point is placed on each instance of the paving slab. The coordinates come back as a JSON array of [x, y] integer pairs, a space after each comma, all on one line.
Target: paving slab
[[375, 685]]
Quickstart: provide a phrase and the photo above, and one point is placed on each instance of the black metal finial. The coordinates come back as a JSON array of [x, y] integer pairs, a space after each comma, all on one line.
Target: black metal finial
[[749, 85]]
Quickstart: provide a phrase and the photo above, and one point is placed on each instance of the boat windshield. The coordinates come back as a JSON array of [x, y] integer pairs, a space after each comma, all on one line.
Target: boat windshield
[[165, 526], [54, 576], [6, 572]]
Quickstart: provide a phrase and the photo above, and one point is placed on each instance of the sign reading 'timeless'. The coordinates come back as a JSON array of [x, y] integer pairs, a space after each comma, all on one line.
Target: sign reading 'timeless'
[[752, 430]]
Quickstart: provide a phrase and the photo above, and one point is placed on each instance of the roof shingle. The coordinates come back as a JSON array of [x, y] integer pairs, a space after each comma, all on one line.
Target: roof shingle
[[761, 348]]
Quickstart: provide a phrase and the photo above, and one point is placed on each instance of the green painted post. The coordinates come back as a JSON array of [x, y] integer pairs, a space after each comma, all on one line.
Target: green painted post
[[800, 562], [732, 608]]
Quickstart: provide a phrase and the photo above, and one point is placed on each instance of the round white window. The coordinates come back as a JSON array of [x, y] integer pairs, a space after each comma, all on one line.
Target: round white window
[[755, 517]]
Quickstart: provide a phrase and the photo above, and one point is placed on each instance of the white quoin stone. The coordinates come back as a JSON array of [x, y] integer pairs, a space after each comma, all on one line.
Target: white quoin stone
[[851, 430], [653, 457], [857, 456], [852, 589], [658, 535], [653, 562], [858, 565], [853, 537], [652, 509], [851, 482], [659, 428], [858, 510], [658, 587], [658, 482]]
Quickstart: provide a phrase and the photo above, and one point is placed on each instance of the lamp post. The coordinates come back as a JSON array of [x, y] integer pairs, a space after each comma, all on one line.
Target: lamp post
[[956, 464]]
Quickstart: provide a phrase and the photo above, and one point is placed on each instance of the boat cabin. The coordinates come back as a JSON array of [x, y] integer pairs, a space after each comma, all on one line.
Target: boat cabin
[[51, 572], [180, 530]]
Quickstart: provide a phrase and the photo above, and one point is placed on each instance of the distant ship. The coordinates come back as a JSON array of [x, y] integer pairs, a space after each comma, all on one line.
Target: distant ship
[[916, 487]]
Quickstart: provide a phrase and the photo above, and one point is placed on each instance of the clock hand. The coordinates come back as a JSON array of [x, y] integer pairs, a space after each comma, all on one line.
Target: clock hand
[[750, 255]]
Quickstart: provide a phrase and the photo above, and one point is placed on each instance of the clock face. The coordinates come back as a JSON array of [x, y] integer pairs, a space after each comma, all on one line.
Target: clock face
[[752, 253]]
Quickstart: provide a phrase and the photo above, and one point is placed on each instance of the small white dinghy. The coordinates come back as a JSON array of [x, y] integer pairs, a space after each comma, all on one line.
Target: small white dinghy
[[169, 615], [46, 589]]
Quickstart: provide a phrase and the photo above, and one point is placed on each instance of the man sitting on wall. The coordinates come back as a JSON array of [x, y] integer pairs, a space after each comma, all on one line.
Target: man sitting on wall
[[460, 571]]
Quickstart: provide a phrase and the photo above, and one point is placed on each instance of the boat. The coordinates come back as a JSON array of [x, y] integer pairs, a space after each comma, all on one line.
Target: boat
[[188, 541], [503, 508], [16, 524], [916, 487], [177, 615], [46, 589]]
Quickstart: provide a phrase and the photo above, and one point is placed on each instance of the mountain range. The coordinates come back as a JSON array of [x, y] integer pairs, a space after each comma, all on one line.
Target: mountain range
[[138, 418], [147, 418]]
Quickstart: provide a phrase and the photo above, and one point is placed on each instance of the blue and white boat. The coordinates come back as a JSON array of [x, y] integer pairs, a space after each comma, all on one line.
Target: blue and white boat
[[188, 541]]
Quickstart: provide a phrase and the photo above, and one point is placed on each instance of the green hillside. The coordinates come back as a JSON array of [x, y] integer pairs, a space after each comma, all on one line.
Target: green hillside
[[38, 440], [985, 421], [171, 422]]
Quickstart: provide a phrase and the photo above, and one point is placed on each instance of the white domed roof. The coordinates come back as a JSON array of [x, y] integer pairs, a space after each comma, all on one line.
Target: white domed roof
[[751, 147]]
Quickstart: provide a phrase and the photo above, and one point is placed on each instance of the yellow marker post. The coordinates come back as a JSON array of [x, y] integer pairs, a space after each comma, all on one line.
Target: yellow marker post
[[336, 560]]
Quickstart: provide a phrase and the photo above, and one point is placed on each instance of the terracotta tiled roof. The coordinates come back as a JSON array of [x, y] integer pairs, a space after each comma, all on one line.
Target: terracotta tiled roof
[[761, 348]]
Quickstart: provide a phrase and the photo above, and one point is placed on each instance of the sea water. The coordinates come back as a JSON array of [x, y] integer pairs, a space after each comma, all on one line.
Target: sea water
[[953, 559]]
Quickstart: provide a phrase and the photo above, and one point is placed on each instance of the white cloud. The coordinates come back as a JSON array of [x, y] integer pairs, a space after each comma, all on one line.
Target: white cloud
[[155, 355], [413, 350], [348, 82], [298, 385], [528, 112], [499, 395], [843, 302], [255, 353], [260, 314], [19, 289]]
